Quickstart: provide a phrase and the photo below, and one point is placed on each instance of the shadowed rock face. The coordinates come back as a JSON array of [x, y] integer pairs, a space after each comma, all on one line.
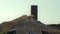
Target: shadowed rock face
[[43, 32]]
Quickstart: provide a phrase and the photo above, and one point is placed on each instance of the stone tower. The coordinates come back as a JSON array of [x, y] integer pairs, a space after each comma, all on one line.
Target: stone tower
[[34, 11]]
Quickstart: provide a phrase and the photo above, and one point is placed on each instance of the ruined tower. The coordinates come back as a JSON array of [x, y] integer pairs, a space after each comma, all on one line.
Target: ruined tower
[[34, 9]]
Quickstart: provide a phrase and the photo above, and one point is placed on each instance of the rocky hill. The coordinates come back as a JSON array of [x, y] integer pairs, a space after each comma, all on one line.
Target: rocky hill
[[6, 26]]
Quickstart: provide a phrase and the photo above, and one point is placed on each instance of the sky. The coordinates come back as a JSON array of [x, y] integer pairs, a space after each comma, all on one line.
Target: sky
[[48, 10]]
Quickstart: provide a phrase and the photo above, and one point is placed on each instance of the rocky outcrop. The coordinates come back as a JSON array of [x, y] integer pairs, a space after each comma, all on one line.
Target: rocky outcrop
[[27, 23]]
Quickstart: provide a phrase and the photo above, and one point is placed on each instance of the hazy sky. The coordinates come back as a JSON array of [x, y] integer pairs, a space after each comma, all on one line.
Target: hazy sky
[[48, 10]]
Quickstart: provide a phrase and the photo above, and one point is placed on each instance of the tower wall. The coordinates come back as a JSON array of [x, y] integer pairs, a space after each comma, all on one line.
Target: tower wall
[[34, 11]]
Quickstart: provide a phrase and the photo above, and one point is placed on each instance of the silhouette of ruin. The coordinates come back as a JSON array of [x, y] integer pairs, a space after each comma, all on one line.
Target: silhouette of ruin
[[30, 25]]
